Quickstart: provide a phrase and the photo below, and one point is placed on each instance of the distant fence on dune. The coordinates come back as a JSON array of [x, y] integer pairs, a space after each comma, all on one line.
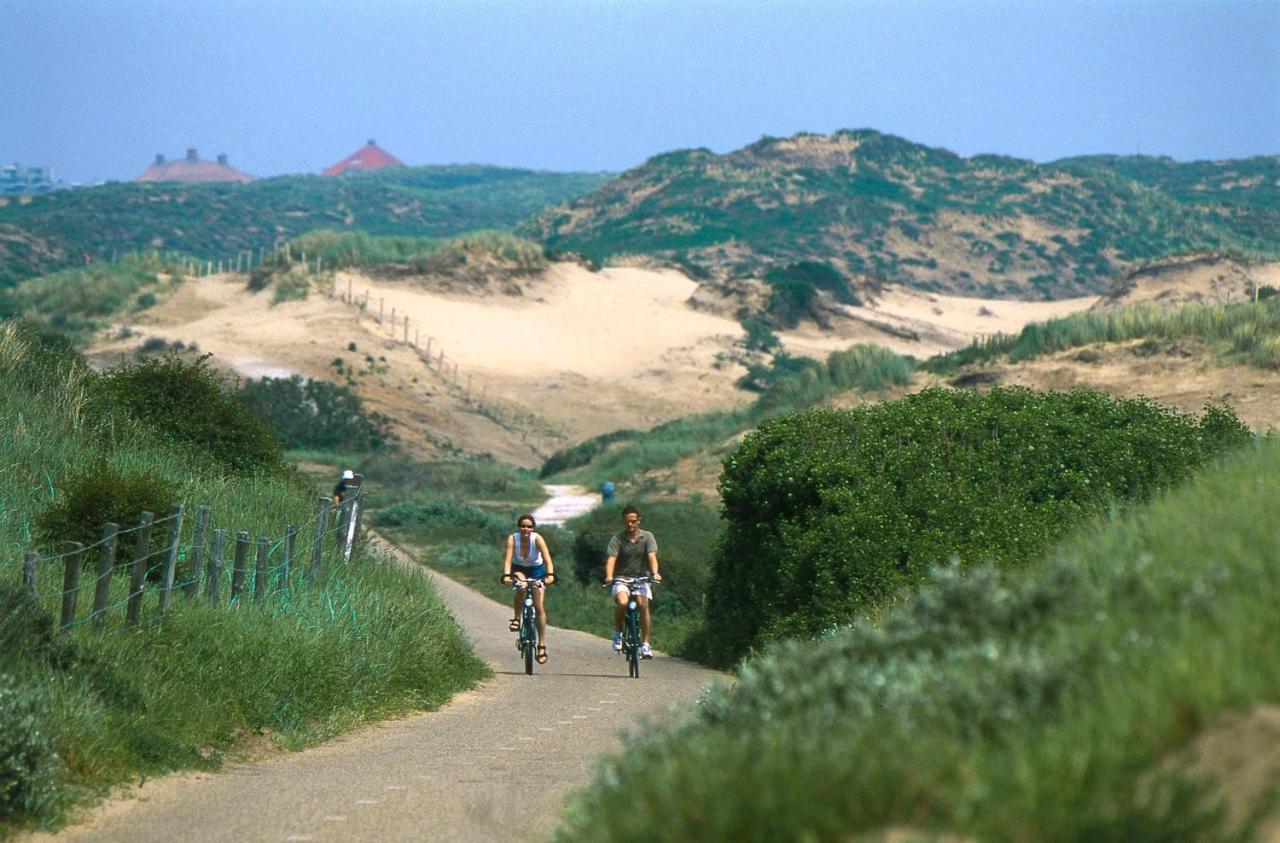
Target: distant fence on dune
[[470, 390]]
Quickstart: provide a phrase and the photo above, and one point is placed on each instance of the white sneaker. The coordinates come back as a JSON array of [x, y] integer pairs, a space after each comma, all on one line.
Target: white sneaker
[[617, 642], [646, 652]]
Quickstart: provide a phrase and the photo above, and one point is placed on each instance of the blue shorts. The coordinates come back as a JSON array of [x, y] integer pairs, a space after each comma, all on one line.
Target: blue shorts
[[537, 572]]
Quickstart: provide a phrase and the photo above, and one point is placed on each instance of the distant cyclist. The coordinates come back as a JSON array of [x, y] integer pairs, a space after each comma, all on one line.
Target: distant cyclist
[[527, 558], [632, 553]]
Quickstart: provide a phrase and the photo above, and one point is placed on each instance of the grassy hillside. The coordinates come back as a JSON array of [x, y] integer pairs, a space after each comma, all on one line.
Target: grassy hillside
[[83, 710], [1244, 332], [41, 234], [1242, 193], [1056, 704], [877, 206]]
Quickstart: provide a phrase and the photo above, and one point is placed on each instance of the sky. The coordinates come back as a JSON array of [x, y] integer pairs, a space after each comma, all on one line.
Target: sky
[[95, 88]]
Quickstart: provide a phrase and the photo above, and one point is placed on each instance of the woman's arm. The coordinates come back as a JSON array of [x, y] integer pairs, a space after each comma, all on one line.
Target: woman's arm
[[546, 555], [506, 557]]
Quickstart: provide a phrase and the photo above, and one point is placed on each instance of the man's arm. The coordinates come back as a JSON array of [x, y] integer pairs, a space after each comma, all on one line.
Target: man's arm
[[653, 566], [609, 562]]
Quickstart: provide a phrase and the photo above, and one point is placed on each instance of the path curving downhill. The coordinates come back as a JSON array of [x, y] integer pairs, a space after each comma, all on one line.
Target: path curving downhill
[[563, 503], [456, 774]]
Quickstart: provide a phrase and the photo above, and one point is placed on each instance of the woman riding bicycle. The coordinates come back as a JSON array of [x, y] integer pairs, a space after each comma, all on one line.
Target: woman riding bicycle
[[526, 559]]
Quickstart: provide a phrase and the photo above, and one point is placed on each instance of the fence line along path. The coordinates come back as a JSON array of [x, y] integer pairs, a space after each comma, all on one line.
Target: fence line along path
[[445, 775]]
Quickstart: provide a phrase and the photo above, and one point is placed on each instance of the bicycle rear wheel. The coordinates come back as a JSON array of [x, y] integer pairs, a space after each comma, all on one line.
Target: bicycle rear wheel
[[633, 646], [529, 634]]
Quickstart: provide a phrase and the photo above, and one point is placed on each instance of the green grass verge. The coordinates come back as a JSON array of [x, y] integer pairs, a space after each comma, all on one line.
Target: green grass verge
[[365, 641], [1013, 706]]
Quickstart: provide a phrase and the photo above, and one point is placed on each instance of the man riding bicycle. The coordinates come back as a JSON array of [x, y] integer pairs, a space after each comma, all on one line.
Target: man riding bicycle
[[631, 553], [526, 559]]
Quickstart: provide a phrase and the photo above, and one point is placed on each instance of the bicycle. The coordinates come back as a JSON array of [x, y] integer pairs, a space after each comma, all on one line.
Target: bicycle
[[631, 637], [527, 640]]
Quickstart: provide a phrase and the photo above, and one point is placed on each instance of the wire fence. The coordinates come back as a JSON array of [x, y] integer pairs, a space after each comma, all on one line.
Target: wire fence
[[462, 384], [86, 584]]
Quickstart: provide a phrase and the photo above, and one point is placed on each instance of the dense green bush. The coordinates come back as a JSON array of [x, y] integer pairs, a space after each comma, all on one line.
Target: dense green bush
[[760, 337], [1063, 697], [28, 763], [316, 414], [190, 406], [583, 452], [444, 512], [99, 494], [831, 512]]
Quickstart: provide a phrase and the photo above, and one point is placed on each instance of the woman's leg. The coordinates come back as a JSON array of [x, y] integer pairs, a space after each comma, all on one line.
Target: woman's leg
[[538, 598]]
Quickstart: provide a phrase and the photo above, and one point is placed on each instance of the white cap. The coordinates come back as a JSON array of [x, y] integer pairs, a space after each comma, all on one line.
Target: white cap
[[348, 475]]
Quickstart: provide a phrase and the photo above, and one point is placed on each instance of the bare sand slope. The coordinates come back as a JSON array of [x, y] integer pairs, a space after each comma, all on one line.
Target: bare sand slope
[[576, 354]]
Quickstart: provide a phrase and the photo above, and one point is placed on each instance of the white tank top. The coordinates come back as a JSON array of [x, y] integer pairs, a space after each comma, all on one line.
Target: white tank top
[[534, 559]]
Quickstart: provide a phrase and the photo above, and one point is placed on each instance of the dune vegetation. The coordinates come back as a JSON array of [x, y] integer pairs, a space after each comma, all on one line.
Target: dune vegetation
[[1244, 332], [1051, 700], [85, 709]]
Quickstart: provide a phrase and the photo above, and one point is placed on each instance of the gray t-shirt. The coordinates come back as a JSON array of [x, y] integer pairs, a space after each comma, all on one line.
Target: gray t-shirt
[[633, 556]]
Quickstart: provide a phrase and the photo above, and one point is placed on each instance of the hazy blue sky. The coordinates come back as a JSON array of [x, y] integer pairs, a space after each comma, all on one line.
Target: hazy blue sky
[[95, 88]]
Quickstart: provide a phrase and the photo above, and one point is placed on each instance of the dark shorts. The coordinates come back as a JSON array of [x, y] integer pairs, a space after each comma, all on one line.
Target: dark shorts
[[537, 572]]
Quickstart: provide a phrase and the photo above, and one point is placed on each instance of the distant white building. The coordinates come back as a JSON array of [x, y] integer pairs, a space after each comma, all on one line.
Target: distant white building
[[16, 178]]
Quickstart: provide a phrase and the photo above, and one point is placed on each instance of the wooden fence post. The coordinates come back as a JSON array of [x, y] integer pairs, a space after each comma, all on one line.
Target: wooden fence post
[[106, 562], [30, 574], [260, 570], [213, 579], [381, 306], [192, 586], [171, 557], [138, 572], [406, 328], [353, 519], [237, 573], [71, 583], [323, 505], [290, 539]]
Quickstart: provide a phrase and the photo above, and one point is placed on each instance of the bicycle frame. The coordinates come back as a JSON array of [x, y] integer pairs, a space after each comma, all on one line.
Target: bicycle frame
[[631, 636], [527, 641]]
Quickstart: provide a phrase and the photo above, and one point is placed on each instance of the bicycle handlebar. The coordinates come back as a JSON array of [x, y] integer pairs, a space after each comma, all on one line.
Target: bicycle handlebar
[[518, 584], [631, 581]]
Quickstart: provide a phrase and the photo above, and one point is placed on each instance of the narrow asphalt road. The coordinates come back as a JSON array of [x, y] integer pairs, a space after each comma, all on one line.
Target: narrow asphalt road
[[494, 764]]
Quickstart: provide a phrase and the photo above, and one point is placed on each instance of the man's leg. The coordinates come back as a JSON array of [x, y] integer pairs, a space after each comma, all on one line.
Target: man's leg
[[619, 609]]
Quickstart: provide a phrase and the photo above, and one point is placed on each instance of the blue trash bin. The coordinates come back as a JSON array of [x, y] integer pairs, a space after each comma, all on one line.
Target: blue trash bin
[[606, 491]]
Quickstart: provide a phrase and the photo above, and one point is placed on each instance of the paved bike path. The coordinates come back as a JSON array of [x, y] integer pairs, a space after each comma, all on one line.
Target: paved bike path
[[494, 764]]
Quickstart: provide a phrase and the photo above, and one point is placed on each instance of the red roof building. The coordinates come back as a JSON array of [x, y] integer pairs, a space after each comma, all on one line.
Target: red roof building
[[192, 169], [368, 157]]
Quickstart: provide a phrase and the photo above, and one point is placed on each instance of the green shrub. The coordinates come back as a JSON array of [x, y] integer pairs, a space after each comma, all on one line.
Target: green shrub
[[833, 512], [790, 301], [99, 494], [1062, 697], [316, 414], [294, 285], [444, 512], [583, 452], [760, 337], [28, 764], [189, 405]]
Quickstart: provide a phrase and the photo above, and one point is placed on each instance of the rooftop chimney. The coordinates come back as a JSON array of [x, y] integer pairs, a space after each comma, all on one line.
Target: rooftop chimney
[[372, 142], [222, 159], [191, 154], [159, 158]]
